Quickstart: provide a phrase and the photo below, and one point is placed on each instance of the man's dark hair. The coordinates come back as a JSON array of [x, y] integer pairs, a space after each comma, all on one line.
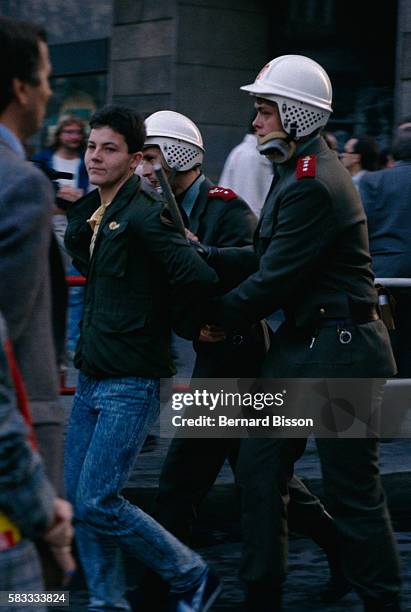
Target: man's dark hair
[[369, 150], [123, 120], [401, 145], [20, 55]]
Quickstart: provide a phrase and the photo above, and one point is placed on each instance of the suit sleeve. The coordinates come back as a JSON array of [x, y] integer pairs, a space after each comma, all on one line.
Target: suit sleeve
[[368, 189], [304, 230], [26, 496], [25, 231]]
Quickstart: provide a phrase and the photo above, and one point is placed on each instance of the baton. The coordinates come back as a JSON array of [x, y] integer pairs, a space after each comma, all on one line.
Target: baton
[[169, 200]]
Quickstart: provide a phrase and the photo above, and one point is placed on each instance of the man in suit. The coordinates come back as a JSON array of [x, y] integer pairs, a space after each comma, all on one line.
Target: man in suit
[[26, 200], [311, 259], [135, 264], [27, 499], [386, 196]]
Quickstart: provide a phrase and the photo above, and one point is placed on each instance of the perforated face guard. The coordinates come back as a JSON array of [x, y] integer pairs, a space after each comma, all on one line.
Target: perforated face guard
[[180, 155], [304, 118], [177, 154]]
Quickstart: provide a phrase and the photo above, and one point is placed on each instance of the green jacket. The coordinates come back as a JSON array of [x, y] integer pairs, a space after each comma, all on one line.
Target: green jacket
[[310, 258], [141, 279]]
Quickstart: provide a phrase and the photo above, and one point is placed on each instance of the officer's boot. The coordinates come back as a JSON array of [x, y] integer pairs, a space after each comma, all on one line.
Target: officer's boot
[[324, 534], [388, 604], [263, 597]]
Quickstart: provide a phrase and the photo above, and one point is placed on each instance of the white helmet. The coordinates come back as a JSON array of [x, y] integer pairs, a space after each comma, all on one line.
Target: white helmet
[[302, 90], [178, 138]]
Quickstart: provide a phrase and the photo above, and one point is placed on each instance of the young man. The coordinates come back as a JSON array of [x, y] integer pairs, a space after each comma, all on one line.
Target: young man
[[140, 275], [311, 259]]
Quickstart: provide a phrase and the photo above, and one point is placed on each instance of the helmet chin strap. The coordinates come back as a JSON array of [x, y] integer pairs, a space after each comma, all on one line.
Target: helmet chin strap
[[278, 146]]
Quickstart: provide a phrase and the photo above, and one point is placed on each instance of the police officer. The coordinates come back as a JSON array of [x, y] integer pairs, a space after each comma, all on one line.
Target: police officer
[[214, 215], [217, 217], [311, 259]]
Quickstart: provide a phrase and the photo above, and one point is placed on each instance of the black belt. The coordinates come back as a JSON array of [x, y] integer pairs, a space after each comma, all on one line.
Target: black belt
[[359, 314], [363, 313]]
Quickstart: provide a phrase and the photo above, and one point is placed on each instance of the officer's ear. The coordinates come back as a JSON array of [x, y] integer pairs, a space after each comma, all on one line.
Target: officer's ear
[[135, 160]]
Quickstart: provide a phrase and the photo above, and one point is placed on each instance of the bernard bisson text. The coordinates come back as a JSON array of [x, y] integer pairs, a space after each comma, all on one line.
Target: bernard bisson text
[[273, 420]]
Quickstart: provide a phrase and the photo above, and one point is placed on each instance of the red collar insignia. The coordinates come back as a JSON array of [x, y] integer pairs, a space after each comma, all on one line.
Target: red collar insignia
[[222, 193], [306, 166]]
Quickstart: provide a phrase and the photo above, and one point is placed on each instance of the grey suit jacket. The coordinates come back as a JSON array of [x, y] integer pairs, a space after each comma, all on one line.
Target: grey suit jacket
[[386, 196], [26, 200]]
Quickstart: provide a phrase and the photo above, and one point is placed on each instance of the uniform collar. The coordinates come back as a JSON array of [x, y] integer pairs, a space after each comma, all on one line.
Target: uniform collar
[[200, 205], [312, 146], [190, 195]]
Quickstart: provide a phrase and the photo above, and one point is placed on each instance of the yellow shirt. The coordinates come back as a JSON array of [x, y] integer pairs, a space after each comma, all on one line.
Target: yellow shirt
[[95, 222]]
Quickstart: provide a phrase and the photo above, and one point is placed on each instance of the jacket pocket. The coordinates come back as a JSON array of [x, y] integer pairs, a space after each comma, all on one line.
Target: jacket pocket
[[123, 317], [112, 249]]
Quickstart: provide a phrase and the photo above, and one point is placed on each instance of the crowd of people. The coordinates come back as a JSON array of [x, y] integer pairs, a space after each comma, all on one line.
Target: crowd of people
[[293, 228]]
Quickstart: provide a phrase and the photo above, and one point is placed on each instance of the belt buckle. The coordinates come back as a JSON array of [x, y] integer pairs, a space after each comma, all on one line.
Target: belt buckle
[[237, 339], [344, 336]]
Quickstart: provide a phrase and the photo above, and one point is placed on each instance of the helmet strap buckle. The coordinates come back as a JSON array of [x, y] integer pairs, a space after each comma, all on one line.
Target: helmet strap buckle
[[278, 146]]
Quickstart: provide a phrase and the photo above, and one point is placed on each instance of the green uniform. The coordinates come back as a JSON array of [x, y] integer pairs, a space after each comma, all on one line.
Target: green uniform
[[220, 218], [311, 259]]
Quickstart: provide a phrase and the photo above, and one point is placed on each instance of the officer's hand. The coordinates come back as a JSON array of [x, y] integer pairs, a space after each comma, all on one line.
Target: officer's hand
[[208, 253], [191, 236], [212, 333]]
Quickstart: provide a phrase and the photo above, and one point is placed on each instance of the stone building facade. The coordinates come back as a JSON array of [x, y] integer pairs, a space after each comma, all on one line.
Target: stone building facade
[[193, 55]]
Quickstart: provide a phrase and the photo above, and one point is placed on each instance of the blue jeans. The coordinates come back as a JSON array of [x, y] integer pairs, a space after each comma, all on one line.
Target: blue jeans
[[75, 311], [108, 425]]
